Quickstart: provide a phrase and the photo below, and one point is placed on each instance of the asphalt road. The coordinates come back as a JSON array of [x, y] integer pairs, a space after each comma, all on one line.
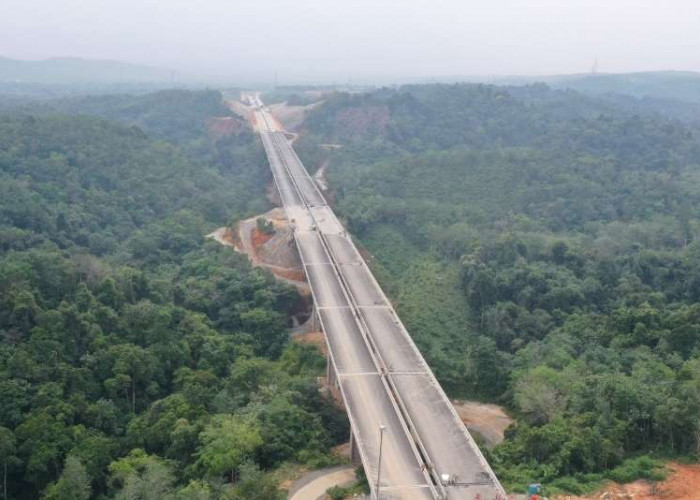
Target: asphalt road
[[382, 375], [313, 486]]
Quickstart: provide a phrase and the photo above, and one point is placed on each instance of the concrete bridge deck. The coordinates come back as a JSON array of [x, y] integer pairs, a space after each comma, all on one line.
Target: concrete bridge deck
[[381, 375]]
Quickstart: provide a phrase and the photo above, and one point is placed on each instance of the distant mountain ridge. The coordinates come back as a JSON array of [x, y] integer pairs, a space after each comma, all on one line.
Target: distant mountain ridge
[[677, 85], [65, 70], [681, 86]]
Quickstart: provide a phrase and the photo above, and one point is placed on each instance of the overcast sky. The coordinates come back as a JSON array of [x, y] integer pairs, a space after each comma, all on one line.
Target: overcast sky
[[333, 40]]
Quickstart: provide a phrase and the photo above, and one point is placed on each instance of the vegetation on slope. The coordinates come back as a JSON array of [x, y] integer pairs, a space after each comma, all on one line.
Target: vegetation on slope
[[137, 361], [675, 85], [566, 231], [65, 70], [170, 114]]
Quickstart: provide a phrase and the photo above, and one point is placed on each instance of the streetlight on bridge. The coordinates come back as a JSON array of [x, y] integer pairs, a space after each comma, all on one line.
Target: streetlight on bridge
[[382, 428]]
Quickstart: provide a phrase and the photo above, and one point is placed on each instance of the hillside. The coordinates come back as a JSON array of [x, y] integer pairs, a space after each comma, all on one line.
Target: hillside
[[672, 85], [541, 247], [666, 86], [197, 120], [175, 115], [78, 71], [136, 359]]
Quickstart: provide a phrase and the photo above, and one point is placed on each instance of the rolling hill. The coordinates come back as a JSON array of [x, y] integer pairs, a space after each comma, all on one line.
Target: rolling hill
[[78, 71]]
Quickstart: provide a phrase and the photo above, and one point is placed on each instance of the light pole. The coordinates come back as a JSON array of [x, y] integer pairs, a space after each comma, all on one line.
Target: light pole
[[382, 428]]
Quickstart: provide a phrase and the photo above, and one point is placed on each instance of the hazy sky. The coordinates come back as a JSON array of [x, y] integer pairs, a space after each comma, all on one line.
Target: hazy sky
[[332, 40]]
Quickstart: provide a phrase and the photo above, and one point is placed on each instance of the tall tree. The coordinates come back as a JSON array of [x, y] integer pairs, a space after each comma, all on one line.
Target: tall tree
[[74, 483], [226, 443], [7, 453]]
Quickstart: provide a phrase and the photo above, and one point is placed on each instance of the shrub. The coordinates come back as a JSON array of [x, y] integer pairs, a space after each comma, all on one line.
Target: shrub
[[643, 467]]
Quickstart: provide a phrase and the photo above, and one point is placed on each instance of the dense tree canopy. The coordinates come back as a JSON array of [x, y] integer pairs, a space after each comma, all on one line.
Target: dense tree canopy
[[138, 360], [541, 247]]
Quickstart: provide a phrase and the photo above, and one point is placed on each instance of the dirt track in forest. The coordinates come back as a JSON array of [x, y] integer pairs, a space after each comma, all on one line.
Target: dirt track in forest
[[314, 485]]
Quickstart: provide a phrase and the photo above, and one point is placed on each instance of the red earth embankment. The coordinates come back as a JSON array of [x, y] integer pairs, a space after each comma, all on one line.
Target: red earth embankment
[[683, 483], [225, 126]]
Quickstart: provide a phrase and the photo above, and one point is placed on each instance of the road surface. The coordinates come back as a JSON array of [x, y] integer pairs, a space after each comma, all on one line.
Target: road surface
[[382, 376], [315, 485]]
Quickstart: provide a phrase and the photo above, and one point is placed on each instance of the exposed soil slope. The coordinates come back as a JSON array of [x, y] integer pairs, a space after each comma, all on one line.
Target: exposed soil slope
[[225, 126], [683, 483], [487, 420], [291, 117], [275, 252]]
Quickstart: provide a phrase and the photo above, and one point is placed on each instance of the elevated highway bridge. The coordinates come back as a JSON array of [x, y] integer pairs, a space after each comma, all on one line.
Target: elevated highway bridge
[[426, 451]]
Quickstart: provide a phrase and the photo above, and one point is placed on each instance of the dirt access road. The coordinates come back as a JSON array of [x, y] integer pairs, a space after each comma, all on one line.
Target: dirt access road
[[313, 486]]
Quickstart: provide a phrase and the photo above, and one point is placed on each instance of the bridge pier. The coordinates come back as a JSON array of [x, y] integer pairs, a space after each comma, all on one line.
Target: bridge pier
[[314, 318], [330, 374], [354, 450], [333, 384]]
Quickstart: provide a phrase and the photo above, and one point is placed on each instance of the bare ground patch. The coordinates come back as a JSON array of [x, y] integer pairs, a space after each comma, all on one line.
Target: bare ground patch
[[683, 483], [291, 117], [275, 252], [317, 339], [488, 420], [225, 126]]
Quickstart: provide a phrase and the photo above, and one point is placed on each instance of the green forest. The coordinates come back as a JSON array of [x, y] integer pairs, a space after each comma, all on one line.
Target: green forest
[[542, 248], [137, 359]]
